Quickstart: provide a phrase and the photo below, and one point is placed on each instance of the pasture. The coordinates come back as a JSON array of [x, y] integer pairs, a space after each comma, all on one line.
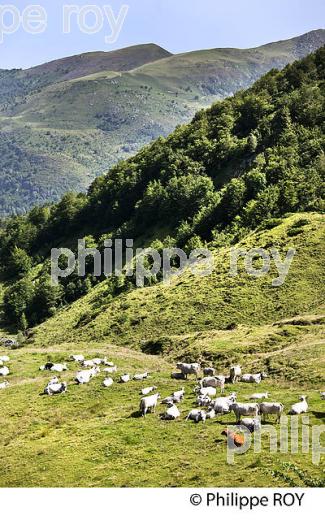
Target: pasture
[[94, 437]]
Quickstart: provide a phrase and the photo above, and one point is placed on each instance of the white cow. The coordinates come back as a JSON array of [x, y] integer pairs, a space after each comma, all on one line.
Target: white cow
[[179, 395], [171, 413], [4, 371], [108, 381], [196, 416], [322, 394], [88, 363], [271, 409], [244, 409], [215, 382], [55, 388], [235, 373], [54, 367], [210, 414], [148, 390], [110, 370], [77, 357], [253, 378], [4, 385], [301, 407], [203, 401], [99, 361], [256, 397], [207, 391], [252, 424], [149, 403], [5, 359], [125, 378], [189, 368], [222, 404], [84, 376], [141, 377]]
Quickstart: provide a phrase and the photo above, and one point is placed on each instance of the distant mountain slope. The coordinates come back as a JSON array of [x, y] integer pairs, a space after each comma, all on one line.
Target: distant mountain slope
[[115, 103]]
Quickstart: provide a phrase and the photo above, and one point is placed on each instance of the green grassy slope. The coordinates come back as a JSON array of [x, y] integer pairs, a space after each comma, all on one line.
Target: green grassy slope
[[191, 304], [85, 117], [93, 436]]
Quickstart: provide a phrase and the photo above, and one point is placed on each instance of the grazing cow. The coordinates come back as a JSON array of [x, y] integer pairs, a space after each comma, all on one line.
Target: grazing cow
[[189, 368], [209, 371], [4, 371], [108, 381], [235, 373], [322, 394], [244, 409], [178, 375], [171, 413], [207, 391], [301, 407], [141, 377], [77, 357], [4, 385], [233, 438], [252, 424], [256, 397], [271, 409], [5, 359], [222, 404], [125, 378], [215, 382], [148, 390], [253, 378], [55, 388], [179, 395], [196, 416], [110, 370], [84, 376], [149, 403]]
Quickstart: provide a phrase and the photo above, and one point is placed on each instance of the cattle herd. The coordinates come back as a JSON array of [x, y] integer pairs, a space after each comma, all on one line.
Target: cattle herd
[[249, 415]]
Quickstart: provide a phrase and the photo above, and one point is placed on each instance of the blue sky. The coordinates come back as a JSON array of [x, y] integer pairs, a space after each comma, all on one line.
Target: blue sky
[[177, 25]]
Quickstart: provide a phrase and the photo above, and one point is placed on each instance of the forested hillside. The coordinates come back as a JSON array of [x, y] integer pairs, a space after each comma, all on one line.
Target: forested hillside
[[240, 167], [66, 122]]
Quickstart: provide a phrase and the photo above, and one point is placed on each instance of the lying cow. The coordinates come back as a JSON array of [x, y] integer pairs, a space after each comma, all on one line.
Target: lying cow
[[55, 388], [84, 376], [4, 371], [125, 378], [196, 416], [251, 423], [108, 382], [54, 367], [4, 385], [79, 358], [149, 403], [110, 370], [301, 407], [171, 413], [5, 359], [189, 368], [141, 377], [257, 397], [178, 375]]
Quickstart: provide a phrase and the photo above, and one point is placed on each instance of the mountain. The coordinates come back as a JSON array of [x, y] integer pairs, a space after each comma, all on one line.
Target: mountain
[[246, 173], [64, 123]]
